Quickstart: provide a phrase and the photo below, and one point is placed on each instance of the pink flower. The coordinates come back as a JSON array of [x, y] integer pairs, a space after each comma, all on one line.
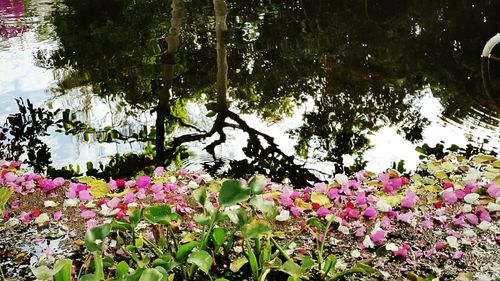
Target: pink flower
[[143, 181], [383, 177], [447, 185], [494, 190], [459, 221], [84, 195], [484, 216], [360, 232], [320, 187], [396, 183], [113, 203], [10, 177], [72, 193], [406, 217], [87, 214], [378, 237], [333, 193], [370, 212], [361, 175], [59, 181], [323, 212], [440, 245], [296, 212], [360, 199], [160, 171], [91, 223], [450, 197], [57, 215], [26, 217], [458, 255], [472, 219], [285, 199], [403, 251], [140, 194], [112, 184], [47, 185], [129, 197], [409, 200]]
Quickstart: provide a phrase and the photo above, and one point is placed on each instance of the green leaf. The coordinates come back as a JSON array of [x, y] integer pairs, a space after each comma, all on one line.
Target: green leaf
[[257, 184], [232, 192], [88, 277], [237, 264], [292, 269], [252, 259], [42, 272], [202, 259], [62, 269], [314, 222], [5, 194], [255, 229], [221, 279], [122, 270], [267, 207], [95, 236], [364, 268], [307, 263], [330, 263], [135, 217], [185, 250], [219, 235], [202, 219], [151, 274], [135, 275], [200, 195], [482, 158], [160, 214]]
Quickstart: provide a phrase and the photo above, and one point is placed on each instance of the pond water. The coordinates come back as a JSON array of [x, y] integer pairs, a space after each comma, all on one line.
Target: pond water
[[332, 82]]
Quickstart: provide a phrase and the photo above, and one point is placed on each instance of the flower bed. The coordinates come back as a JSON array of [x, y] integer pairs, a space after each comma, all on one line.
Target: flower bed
[[441, 221]]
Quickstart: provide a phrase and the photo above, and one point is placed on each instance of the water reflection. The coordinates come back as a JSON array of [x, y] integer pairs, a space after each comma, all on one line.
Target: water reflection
[[359, 66]]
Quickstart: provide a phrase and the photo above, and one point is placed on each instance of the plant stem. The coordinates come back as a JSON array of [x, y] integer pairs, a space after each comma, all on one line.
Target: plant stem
[[323, 239], [287, 257]]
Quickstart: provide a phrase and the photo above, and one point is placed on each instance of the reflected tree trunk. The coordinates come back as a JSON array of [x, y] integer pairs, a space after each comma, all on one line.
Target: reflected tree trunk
[[167, 67], [220, 8]]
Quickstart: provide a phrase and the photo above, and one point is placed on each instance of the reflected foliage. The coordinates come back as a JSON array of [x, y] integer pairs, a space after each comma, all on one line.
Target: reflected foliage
[[350, 68], [21, 137]]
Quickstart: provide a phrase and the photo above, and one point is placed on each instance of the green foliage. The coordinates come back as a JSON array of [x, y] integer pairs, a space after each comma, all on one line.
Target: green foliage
[[5, 194], [232, 192], [95, 236]]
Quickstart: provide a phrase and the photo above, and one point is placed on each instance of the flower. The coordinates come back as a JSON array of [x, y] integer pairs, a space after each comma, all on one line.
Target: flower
[[472, 219], [360, 199], [370, 212], [323, 212], [84, 196], [409, 200], [87, 214], [57, 215], [494, 190], [143, 181], [449, 197], [402, 251], [378, 237], [47, 185]]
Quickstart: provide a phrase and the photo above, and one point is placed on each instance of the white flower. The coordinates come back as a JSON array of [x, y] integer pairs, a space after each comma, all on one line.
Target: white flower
[[50, 203], [283, 216], [192, 185], [207, 178], [343, 229], [484, 225], [71, 202], [42, 219], [355, 253], [341, 178], [452, 241], [493, 207], [383, 206], [391, 247], [472, 198], [367, 242], [172, 179], [12, 222]]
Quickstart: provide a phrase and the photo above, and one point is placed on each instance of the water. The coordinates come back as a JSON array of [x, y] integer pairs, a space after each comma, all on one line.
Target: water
[[330, 81]]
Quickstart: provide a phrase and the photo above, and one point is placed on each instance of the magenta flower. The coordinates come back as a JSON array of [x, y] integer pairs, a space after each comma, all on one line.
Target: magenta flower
[[383, 177], [285, 199], [47, 185], [370, 212], [143, 181], [360, 199], [396, 183], [378, 237], [484, 216], [459, 221], [450, 197], [323, 212], [402, 251], [409, 201], [112, 184], [333, 193], [447, 185]]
